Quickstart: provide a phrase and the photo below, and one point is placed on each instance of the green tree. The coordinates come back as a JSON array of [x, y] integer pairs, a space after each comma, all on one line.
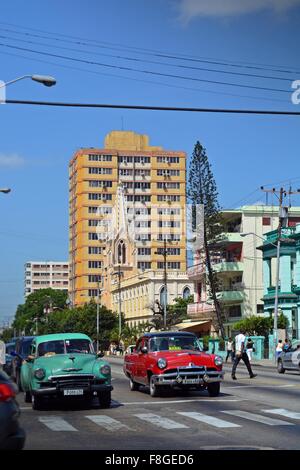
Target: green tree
[[261, 326], [176, 313], [202, 191]]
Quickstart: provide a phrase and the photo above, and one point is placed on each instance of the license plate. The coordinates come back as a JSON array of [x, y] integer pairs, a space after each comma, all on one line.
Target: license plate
[[73, 392], [190, 381]]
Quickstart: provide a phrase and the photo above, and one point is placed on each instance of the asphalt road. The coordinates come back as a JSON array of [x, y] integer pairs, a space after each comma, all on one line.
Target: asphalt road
[[259, 413]]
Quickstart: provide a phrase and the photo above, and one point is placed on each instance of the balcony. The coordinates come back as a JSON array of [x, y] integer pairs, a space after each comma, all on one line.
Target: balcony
[[220, 266], [230, 296], [201, 310]]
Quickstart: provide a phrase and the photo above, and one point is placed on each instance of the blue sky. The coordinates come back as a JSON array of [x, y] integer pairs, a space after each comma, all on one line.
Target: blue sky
[[37, 143]]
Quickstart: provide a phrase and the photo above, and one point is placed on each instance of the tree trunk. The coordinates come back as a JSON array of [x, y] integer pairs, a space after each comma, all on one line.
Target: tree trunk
[[213, 287]]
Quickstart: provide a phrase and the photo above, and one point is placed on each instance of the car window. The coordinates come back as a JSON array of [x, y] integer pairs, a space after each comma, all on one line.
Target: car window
[[139, 345], [174, 343], [50, 348], [9, 348], [26, 346], [83, 346]]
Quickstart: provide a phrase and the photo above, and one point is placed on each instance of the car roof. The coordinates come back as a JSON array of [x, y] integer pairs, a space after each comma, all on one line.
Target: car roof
[[24, 338], [59, 336], [168, 333]]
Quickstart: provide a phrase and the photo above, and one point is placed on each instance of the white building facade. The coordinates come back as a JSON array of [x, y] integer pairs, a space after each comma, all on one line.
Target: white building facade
[[46, 274]]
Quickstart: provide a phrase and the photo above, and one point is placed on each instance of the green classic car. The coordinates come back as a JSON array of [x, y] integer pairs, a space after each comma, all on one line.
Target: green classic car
[[65, 365]]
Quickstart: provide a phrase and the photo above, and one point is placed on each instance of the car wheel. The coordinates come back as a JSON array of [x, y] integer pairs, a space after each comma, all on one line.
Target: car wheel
[[36, 402], [153, 388], [27, 397], [133, 385], [105, 399], [213, 389], [280, 368]]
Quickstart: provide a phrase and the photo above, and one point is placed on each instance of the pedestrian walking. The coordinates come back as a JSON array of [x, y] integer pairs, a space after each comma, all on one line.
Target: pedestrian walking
[[240, 353], [250, 348], [229, 350], [287, 345], [279, 348]]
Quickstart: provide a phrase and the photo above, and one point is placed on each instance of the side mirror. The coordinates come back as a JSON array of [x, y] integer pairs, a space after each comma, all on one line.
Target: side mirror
[[100, 354], [144, 350]]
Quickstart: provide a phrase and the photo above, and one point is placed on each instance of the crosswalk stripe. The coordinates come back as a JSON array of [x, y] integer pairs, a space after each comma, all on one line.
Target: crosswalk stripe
[[283, 412], [218, 423], [108, 423], [160, 421], [56, 423], [257, 418]]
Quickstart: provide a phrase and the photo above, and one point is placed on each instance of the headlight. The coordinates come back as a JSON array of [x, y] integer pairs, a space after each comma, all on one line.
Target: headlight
[[218, 360], [39, 374], [105, 370], [162, 363]]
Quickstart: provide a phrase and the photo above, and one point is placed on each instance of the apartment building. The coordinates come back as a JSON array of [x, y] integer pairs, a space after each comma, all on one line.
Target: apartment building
[[127, 202], [45, 274], [238, 264]]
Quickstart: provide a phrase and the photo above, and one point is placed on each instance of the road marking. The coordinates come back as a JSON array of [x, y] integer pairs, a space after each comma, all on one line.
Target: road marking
[[211, 400], [157, 420], [55, 423], [257, 418], [108, 423], [283, 412], [218, 423]]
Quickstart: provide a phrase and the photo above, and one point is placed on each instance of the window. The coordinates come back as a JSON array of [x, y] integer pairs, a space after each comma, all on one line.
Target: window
[[168, 197], [186, 293], [95, 264], [93, 157], [168, 236], [168, 185], [94, 250], [125, 172], [94, 278], [170, 251], [168, 172], [93, 236], [138, 198], [144, 251], [168, 211], [122, 252], [144, 265], [266, 221], [260, 308], [100, 184], [139, 172], [125, 159], [234, 311], [139, 211], [169, 223], [166, 159], [99, 171], [100, 196], [162, 296], [170, 265], [100, 210], [143, 223], [141, 159], [143, 237]]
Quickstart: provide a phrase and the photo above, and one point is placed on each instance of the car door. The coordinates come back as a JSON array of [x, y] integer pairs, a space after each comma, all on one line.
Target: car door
[[133, 358], [287, 359], [141, 363], [27, 369]]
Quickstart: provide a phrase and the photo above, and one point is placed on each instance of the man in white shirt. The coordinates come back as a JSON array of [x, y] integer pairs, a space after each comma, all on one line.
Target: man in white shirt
[[240, 353]]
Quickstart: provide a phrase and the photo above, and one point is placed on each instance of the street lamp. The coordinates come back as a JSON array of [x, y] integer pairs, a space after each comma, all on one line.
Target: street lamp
[[5, 190], [43, 79]]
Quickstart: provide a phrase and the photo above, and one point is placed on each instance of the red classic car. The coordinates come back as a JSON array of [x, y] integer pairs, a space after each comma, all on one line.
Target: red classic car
[[172, 359]]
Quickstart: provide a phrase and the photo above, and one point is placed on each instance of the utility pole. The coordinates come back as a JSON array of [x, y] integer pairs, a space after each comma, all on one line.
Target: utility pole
[[164, 252], [281, 215], [120, 301], [98, 308]]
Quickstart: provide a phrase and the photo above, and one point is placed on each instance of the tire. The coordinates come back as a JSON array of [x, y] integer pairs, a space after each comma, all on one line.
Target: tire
[[280, 368], [213, 389], [133, 385], [105, 399], [27, 397], [36, 402], [154, 392]]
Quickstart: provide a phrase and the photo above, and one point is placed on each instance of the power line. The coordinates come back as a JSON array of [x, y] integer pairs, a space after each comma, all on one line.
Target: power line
[[154, 108], [149, 72], [136, 59], [109, 45], [169, 85]]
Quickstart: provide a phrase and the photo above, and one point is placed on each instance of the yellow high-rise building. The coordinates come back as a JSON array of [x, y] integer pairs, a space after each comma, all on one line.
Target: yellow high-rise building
[[149, 183]]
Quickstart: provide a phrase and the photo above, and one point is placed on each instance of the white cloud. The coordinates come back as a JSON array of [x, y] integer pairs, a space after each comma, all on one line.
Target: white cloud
[[224, 8], [11, 161]]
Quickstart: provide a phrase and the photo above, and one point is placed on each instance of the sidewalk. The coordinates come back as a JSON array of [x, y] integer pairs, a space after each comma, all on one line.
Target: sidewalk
[[270, 363]]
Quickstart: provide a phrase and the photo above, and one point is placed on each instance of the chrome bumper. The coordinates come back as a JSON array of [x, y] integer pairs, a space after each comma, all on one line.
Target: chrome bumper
[[189, 378]]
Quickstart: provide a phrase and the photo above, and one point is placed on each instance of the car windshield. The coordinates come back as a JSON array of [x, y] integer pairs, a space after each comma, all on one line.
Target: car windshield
[[25, 348], [50, 348], [174, 343]]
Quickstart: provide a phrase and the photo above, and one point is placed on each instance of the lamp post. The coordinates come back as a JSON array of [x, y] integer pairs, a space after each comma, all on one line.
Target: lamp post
[[43, 79], [164, 252], [5, 190]]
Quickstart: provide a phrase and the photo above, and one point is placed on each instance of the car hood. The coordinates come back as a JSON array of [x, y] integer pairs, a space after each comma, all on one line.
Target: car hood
[[67, 364], [185, 358]]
